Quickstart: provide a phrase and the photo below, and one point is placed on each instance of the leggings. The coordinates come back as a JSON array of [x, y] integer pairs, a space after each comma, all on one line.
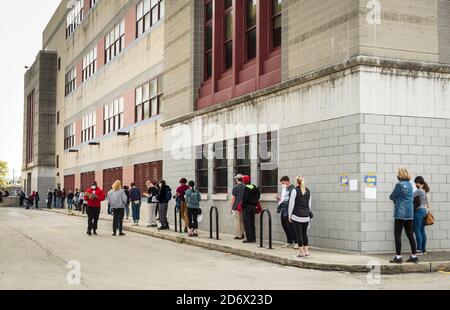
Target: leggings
[[398, 228], [301, 230], [192, 215]]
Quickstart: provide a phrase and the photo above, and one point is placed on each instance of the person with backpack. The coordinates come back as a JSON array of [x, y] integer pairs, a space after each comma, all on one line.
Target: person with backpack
[[117, 199], [152, 203], [420, 212], [136, 200], [193, 198], [250, 202], [236, 205], [300, 215], [283, 208], [402, 196], [164, 196]]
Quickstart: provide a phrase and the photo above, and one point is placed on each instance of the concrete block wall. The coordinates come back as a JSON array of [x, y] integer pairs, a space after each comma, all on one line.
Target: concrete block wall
[[422, 145]]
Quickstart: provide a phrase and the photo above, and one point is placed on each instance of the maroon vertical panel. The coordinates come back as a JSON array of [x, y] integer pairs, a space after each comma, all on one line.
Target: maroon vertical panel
[[69, 183], [110, 176], [147, 172], [86, 180]]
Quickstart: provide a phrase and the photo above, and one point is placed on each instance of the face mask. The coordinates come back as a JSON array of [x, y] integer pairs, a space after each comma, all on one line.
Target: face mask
[[93, 187], [284, 186]]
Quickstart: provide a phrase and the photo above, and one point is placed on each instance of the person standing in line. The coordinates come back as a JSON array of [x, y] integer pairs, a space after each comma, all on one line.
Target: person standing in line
[[55, 193], [283, 208], [49, 199], [181, 192], [402, 196], [126, 189], [421, 210], [136, 199], [236, 204], [299, 215], [59, 195], [30, 201], [76, 199], [152, 203], [193, 198], [63, 198], [94, 197], [21, 198], [70, 197], [117, 199], [250, 200], [164, 196], [36, 200]]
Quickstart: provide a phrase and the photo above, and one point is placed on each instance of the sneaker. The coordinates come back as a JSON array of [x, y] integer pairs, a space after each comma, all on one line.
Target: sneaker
[[238, 238], [95, 232], [299, 256], [296, 246], [89, 233], [121, 234], [114, 234], [414, 260], [396, 260], [287, 245]]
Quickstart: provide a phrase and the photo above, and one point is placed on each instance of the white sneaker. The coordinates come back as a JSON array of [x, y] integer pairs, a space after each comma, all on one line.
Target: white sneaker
[[296, 246], [287, 245]]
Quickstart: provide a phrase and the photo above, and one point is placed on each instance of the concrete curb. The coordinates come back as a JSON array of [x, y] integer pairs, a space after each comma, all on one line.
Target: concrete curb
[[386, 269]]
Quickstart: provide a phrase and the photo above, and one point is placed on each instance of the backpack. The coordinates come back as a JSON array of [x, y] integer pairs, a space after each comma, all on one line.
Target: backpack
[[168, 194], [195, 197]]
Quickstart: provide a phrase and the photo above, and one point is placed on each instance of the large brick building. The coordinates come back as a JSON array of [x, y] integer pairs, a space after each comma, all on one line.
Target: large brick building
[[334, 89]]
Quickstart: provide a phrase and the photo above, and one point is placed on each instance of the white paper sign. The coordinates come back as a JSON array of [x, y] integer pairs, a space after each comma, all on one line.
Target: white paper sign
[[353, 185], [371, 193]]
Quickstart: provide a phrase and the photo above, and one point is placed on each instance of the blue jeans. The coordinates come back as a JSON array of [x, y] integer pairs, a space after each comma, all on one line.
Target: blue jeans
[[419, 228], [136, 210], [69, 204]]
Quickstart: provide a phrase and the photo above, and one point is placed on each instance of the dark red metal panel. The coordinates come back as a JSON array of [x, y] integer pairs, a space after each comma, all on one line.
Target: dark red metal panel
[[110, 176]]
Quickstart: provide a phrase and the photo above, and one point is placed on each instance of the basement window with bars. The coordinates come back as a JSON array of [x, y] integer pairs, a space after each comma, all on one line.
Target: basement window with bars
[[88, 127], [113, 116], [268, 162], [201, 168], [70, 81], [220, 168], [149, 99], [90, 64], [69, 136], [242, 161], [115, 41], [74, 17]]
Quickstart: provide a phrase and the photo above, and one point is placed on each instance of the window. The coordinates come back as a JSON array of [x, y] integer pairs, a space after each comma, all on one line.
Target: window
[[86, 180], [69, 136], [148, 12], [59, 63], [201, 168], [250, 29], [88, 127], [57, 161], [152, 171], [92, 3], [268, 162], [113, 116], [74, 17], [30, 128], [220, 167], [71, 81], [89, 64], [115, 41], [57, 118], [276, 23], [208, 39], [228, 34], [149, 99], [242, 161]]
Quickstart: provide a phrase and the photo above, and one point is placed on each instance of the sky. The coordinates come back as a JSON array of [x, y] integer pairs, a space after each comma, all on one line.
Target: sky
[[21, 25]]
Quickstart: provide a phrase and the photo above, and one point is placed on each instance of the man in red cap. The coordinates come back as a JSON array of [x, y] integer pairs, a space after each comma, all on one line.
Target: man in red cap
[[250, 200]]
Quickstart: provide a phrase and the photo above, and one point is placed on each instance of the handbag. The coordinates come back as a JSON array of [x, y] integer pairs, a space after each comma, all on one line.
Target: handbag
[[429, 219]]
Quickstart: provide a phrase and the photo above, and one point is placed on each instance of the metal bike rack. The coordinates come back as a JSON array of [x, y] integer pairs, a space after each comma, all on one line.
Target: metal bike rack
[[261, 228], [213, 208], [178, 219]]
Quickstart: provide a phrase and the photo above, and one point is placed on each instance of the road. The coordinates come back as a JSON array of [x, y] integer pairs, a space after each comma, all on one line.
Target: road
[[35, 247]]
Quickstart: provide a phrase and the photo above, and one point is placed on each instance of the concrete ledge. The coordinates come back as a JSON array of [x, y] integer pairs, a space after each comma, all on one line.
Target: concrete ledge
[[325, 263]]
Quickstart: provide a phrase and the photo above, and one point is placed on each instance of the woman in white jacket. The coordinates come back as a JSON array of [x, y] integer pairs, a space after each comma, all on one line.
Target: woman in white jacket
[[300, 215]]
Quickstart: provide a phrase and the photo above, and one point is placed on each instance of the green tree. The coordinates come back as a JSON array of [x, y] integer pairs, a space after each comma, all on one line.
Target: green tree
[[3, 173]]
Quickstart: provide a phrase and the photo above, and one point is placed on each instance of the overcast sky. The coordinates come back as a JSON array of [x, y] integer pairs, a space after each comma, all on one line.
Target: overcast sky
[[21, 25]]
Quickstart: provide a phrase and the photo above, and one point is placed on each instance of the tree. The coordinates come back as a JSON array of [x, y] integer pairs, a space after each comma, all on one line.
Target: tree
[[3, 173]]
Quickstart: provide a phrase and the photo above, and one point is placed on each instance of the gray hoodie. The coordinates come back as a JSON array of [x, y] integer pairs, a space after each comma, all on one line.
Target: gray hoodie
[[117, 199]]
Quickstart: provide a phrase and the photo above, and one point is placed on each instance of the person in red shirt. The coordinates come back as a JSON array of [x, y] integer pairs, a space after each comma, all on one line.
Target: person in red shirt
[[94, 197], [181, 193]]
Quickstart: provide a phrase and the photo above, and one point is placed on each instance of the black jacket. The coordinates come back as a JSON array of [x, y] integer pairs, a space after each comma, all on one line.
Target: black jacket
[[163, 193], [252, 194]]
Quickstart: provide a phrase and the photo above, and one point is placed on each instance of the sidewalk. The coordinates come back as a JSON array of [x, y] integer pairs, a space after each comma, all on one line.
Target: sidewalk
[[320, 259]]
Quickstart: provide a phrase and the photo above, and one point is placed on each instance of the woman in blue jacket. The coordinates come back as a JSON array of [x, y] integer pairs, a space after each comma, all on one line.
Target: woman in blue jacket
[[402, 196]]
